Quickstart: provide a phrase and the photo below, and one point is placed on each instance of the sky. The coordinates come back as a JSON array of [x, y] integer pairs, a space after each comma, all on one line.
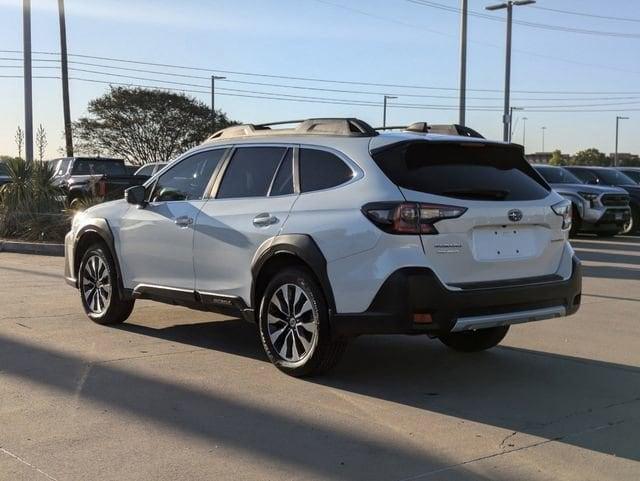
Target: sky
[[374, 47]]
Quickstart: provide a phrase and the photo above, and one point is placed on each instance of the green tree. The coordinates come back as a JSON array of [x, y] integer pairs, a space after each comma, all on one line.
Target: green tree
[[556, 158], [144, 125], [590, 157]]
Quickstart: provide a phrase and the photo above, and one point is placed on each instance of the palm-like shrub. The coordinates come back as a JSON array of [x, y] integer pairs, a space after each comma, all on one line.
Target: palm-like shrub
[[31, 205]]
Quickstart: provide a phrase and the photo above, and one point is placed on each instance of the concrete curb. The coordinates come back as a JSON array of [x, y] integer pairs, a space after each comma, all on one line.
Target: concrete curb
[[39, 248]]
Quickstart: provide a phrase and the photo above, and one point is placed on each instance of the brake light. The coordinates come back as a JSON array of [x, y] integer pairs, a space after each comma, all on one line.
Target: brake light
[[409, 217]]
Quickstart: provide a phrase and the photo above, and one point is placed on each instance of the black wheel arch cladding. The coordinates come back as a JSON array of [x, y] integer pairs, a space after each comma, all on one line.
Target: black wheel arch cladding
[[304, 248]]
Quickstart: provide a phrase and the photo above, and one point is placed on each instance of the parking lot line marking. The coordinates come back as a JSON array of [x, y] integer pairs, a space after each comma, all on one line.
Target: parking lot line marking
[[18, 458]]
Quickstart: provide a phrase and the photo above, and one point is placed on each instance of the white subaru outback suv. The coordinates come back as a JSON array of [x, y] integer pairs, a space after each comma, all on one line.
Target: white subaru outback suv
[[329, 230]]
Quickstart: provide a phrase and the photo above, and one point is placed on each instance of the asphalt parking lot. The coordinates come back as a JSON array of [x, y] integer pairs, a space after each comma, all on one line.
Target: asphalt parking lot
[[176, 394]]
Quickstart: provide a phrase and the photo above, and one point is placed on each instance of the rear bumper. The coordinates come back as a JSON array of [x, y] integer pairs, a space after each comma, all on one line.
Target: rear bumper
[[411, 291]]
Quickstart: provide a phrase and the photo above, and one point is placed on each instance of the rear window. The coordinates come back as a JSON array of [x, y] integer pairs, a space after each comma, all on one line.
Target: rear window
[[462, 170], [93, 166], [320, 170]]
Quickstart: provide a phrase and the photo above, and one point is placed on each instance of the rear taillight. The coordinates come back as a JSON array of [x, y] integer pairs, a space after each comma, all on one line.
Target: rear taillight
[[564, 209], [409, 217]]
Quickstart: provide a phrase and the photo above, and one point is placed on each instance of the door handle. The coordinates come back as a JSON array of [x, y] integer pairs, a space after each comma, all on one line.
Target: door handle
[[264, 220], [183, 221]]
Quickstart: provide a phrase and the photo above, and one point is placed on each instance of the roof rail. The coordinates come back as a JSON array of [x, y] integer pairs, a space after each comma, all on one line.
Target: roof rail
[[445, 129], [350, 127]]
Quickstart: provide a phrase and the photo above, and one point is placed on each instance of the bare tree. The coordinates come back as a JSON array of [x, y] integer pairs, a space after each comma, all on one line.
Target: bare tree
[[19, 139], [41, 142]]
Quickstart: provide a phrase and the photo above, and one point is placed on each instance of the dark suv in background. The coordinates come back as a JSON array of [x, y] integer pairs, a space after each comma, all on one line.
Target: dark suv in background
[[609, 176]]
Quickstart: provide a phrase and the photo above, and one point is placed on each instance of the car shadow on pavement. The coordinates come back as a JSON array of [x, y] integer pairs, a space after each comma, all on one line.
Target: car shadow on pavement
[[577, 401], [616, 260], [276, 437]]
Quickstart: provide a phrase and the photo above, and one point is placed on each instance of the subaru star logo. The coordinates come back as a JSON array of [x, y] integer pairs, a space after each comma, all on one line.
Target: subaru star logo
[[515, 215]]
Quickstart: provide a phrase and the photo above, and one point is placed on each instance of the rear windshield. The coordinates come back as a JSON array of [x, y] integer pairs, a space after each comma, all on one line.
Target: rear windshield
[[462, 170], [558, 175], [93, 166]]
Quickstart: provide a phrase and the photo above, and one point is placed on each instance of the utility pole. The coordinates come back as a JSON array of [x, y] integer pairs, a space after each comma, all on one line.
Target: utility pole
[[463, 61], [65, 80], [213, 100], [543, 129], [28, 93], [524, 132], [384, 109], [615, 156], [506, 121]]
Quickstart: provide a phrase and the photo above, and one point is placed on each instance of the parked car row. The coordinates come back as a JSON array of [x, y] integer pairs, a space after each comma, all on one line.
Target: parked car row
[[604, 200]]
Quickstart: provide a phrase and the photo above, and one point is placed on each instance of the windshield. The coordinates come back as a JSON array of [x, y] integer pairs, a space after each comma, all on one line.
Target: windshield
[[558, 175], [633, 174], [94, 166], [3, 170], [613, 177]]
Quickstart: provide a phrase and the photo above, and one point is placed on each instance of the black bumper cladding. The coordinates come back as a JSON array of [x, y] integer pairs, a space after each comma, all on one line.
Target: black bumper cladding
[[417, 291]]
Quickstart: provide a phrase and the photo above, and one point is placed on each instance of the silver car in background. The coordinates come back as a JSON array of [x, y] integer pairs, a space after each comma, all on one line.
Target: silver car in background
[[602, 210]]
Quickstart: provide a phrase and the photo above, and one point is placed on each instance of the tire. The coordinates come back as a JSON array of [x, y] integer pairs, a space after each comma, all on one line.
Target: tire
[[633, 225], [299, 345], [100, 298], [607, 233], [474, 341]]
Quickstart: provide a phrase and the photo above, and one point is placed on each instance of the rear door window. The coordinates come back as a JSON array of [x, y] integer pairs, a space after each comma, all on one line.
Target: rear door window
[[320, 169], [250, 172], [283, 181], [462, 170]]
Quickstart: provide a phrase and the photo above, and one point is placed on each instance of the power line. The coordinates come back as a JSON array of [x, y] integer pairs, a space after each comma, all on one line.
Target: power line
[[296, 87], [583, 14], [292, 96], [331, 81], [337, 101], [543, 26], [479, 42]]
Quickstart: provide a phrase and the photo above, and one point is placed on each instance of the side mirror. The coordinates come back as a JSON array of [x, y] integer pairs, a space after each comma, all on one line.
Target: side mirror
[[135, 195]]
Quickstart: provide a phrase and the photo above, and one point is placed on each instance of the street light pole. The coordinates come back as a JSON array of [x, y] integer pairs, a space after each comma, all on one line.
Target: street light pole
[[66, 109], [615, 155], [28, 93], [213, 100], [506, 120], [543, 129], [524, 132], [463, 61], [384, 109]]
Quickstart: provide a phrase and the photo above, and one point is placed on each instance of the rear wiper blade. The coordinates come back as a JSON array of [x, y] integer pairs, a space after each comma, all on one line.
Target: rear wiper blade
[[477, 193]]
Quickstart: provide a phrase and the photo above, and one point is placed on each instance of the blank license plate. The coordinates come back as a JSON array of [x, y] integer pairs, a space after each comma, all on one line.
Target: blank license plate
[[495, 243]]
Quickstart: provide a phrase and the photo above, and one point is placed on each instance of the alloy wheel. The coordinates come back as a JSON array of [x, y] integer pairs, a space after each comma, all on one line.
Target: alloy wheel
[[96, 284], [292, 323]]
